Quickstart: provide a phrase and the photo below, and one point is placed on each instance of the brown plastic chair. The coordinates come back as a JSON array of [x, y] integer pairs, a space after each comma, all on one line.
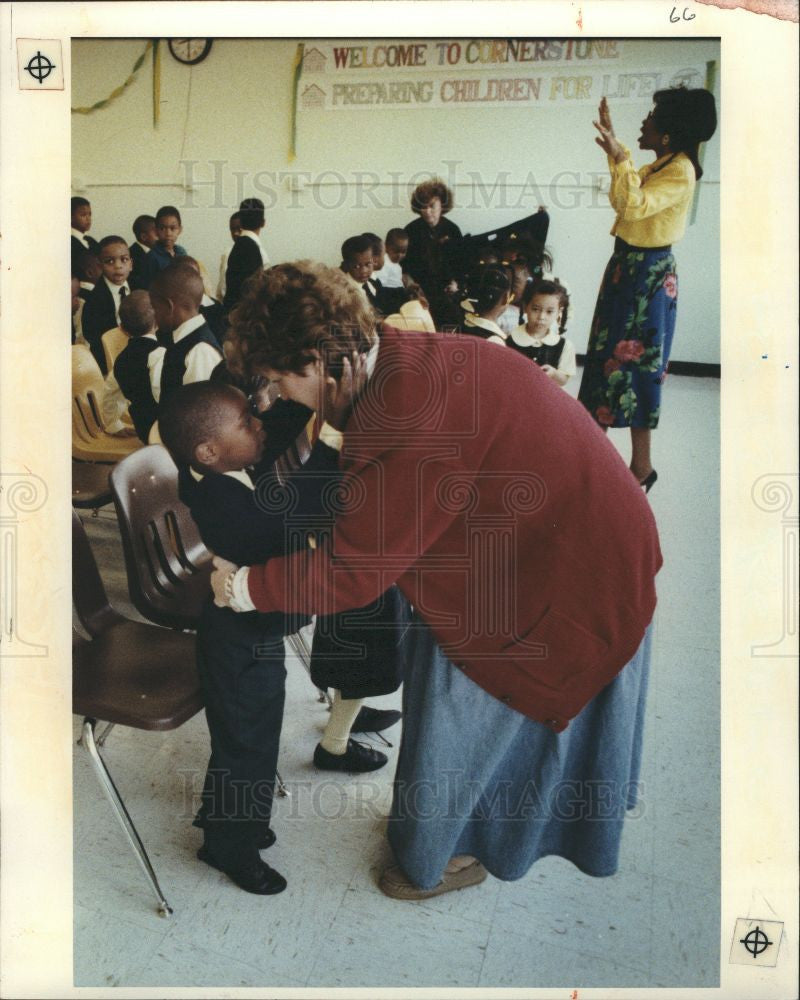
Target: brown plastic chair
[[167, 564], [127, 673], [90, 442], [90, 489]]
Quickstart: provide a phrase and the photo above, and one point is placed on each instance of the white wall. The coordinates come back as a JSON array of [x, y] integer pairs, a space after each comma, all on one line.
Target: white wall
[[231, 115]]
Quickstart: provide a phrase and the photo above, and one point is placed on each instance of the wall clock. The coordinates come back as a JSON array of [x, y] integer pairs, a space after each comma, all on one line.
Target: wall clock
[[189, 51]]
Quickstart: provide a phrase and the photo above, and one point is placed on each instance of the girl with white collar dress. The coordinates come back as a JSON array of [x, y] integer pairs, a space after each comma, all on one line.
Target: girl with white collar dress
[[541, 338]]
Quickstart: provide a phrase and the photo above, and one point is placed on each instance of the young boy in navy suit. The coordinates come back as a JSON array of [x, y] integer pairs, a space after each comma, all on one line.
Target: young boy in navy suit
[[358, 262], [139, 364], [192, 351], [166, 248], [101, 310], [216, 441], [145, 238], [81, 222], [247, 255]]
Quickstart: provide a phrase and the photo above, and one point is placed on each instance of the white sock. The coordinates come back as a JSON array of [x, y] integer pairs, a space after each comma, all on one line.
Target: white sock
[[343, 715]]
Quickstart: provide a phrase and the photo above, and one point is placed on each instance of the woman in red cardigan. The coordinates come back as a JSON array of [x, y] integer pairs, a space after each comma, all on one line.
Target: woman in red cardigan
[[529, 553]]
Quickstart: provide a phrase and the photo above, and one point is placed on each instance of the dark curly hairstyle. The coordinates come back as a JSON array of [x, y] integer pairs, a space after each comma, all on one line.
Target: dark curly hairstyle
[[425, 193], [689, 117], [549, 286], [292, 310]]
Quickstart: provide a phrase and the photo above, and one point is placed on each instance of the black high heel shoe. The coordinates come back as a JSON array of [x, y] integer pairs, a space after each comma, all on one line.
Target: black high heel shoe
[[648, 481]]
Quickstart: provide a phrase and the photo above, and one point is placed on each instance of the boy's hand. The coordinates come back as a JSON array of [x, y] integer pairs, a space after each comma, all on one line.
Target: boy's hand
[[222, 570]]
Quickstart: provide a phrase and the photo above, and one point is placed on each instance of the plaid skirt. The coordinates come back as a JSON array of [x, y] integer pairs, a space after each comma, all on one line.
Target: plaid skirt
[[631, 339]]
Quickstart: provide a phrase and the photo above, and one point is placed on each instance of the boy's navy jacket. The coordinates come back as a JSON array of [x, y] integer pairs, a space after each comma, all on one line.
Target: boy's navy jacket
[[99, 314], [138, 276], [359, 652], [133, 377], [246, 525], [243, 261]]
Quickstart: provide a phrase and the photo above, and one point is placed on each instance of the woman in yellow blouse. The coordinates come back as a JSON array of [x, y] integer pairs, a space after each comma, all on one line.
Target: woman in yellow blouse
[[634, 319]]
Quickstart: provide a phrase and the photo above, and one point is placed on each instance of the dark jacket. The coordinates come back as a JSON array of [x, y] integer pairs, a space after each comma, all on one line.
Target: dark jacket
[[243, 261]]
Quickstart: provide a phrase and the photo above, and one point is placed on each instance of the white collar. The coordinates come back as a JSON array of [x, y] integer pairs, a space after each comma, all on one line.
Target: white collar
[[80, 236], [140, 244], [521, 337], [206, 301], [252, 235], [187, 327], [114, 289], [238, 474], [472, 319], [87, 286]]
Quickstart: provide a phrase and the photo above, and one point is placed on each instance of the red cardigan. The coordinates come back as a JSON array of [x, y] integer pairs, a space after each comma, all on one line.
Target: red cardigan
[[502, 512]]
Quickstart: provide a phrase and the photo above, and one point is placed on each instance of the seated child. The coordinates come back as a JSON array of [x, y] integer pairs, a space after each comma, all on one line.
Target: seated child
[[214, 438], [137, 367], [192, 351], [247, 255], [81, 220], [389, 272], [145, 238], [541, 338], [101, 311], [235, 226], [166, 248], [358, 262]]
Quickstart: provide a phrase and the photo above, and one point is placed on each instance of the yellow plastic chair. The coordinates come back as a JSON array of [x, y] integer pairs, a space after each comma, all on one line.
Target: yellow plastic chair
[[114, 342], [90, 442]]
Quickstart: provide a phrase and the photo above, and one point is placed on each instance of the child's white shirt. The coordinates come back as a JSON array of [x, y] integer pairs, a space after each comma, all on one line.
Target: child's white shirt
[[390, 275]]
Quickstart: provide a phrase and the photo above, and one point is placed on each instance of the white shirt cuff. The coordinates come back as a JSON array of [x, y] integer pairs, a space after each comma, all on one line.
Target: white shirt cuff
[[241, 595]]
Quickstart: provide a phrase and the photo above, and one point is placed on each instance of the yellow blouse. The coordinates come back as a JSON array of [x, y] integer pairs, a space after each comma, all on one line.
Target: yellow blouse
[[651, 204]]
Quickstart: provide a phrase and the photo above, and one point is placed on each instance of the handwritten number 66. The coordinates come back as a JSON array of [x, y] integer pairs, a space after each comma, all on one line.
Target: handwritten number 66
[[674, 16]]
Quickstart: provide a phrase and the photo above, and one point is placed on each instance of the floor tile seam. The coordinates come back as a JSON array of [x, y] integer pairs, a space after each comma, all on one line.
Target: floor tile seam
[[222, 955], [327, 932]]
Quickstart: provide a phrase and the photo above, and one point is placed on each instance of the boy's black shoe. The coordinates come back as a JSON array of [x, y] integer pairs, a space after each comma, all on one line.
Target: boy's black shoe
[[375, 720], [264, 839], [255, 876], [355, 760]]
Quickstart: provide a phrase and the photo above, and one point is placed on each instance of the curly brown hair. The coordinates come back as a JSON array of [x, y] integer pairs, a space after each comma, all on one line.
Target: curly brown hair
[[425, 193], [292, 310]]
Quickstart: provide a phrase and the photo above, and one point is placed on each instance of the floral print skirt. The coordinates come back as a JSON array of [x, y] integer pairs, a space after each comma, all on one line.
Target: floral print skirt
[[630, 339]]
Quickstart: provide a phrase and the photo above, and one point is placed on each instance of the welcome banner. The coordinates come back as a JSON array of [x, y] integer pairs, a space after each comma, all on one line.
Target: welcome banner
[[461, 72]]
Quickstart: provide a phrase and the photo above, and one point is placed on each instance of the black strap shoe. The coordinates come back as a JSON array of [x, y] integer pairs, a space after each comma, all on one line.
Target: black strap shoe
[[357, 759], [375, 720], [256, 877]]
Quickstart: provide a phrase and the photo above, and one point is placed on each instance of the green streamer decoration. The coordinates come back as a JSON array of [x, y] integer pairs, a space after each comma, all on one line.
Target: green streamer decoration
[[99, 105], [297, 72], [710, 84]]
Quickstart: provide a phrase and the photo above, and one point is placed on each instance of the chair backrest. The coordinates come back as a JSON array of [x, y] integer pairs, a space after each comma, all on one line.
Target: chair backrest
[[88, 593], [87, 395], [114, 342], [168, 566]]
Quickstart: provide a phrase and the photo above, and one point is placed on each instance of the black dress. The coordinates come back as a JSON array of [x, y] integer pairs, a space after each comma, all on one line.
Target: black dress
[[430, 261]]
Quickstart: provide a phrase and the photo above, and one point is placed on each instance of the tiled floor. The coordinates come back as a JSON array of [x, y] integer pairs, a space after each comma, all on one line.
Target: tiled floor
[[655, 923]]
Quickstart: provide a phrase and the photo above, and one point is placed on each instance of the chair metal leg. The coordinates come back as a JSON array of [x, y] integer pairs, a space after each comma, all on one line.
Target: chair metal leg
[[302, 651], [101, 739], [283, 791], [124, 818]]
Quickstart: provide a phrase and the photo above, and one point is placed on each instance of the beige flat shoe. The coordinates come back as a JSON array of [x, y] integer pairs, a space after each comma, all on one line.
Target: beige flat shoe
[[395, 883]]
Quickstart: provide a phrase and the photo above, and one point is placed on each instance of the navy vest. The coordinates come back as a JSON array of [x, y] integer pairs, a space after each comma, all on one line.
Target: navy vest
[[175, 359], [544, 354], [133, 377]]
